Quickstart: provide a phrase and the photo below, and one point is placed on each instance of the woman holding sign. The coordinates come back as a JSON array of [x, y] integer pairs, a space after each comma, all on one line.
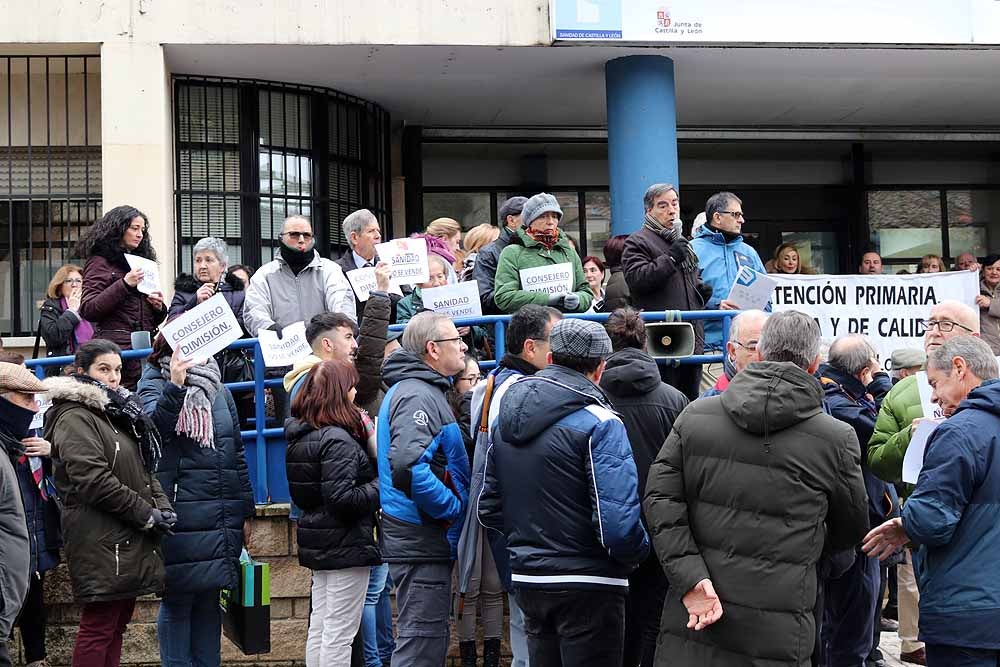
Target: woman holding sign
[[112, 298], [204, 472], [540, 266]]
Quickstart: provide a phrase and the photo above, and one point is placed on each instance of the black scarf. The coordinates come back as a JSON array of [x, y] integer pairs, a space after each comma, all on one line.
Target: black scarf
[[670, 235], [297, 259], [125, 410], [15, 420], [729, 236]]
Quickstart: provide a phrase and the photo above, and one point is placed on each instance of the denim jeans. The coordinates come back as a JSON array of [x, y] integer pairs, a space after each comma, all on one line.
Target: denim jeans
[[370, 630], [383, 622], [189, 628], [518, 639]]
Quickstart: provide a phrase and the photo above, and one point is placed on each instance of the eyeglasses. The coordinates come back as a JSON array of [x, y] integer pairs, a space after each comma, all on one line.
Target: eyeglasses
[[736, 214], [307, 236], [73, 281], [750, 346], [471, 379], [445, 340], [944, 326]]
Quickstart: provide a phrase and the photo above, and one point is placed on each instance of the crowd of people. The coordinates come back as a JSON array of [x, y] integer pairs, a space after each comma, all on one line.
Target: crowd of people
[[624, 511]]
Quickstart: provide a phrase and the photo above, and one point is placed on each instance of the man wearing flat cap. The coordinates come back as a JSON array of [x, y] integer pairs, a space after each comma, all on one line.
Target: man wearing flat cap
[[562, 487], [906, 361], [485, 270], [17, 408]]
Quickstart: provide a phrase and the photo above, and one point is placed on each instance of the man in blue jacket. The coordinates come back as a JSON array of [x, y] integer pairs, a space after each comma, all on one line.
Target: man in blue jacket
[[423, 474], [952, 513], [721, 252], [562, 486]]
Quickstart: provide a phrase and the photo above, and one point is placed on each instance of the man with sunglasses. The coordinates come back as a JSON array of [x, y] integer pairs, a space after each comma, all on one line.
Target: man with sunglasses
[[893, 428], [722, 252]]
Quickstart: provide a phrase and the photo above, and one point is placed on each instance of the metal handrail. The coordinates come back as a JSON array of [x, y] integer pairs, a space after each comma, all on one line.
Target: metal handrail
[[260, 435]]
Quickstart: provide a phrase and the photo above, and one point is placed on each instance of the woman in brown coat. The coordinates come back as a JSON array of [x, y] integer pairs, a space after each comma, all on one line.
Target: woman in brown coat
[[111, 298], [104, 452]]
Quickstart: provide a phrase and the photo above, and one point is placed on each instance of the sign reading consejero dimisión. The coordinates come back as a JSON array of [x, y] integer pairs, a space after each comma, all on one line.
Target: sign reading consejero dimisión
[[886, 22]]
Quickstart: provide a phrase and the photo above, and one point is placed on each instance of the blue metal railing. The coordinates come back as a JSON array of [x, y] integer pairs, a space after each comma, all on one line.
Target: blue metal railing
[[265, 447]]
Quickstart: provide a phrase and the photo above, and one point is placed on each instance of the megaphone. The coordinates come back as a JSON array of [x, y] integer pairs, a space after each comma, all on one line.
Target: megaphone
[[669, 340]]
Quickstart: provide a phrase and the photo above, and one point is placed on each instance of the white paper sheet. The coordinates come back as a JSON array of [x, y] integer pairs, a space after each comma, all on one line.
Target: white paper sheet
[[913, 460], [150, 273], [552, 279], [204, 330], [291, 347], [751, 290]]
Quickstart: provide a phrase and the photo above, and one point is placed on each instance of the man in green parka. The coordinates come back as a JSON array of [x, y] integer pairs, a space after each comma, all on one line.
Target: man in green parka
[[540, 243]]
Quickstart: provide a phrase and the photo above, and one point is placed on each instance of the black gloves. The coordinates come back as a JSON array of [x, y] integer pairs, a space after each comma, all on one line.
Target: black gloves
[[680, 251], [704, 291], [163, 521]]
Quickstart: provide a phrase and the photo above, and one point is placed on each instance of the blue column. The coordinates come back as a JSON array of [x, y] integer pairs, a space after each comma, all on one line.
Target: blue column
[[642, 134]]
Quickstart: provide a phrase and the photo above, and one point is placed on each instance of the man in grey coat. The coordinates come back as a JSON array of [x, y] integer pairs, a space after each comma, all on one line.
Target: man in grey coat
[[18, 387], [485, 271], [750, 488]]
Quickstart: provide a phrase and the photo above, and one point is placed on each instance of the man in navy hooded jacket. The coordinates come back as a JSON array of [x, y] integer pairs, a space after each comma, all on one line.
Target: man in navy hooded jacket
[[952, 512], [561, 484]]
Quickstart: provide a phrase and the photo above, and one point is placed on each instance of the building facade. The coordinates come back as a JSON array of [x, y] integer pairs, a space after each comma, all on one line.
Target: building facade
[[874, 127]]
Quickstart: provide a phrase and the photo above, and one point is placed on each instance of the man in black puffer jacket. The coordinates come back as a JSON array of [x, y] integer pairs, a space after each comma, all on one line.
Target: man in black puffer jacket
[[648, 407]]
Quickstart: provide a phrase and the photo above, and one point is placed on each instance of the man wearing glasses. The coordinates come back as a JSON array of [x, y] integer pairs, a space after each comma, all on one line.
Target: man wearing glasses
[[741, 348], [893, 428], [297, 284], [721, 253]]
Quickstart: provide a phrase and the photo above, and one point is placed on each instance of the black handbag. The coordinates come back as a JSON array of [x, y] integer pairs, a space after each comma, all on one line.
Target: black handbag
[[235, 366]]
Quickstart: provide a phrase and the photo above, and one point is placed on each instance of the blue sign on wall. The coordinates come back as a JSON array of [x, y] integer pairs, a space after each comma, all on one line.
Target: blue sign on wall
[[588, 19]]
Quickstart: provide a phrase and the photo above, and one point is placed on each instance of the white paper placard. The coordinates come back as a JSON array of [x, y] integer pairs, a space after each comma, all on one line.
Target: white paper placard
[[150, 273], [458, 300], [363, 282], [931, 410], [552, 279], [408, 259], [751, 289], [913, 460], [39, 419], [204, 330], [290, 348]]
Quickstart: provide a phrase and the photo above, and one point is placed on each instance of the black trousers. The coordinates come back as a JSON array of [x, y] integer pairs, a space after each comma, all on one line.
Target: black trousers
[[849, 614], [647, 590], [686, 378], [32, 620], [573, 628]]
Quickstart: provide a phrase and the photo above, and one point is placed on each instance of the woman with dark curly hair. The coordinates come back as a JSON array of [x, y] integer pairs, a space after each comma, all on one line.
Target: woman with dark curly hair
[[111, 298]]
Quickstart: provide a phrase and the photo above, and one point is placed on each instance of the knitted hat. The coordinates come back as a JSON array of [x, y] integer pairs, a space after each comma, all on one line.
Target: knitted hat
[[543, 202], [512, 206], [907, 358], [579, 339], [18, 378]]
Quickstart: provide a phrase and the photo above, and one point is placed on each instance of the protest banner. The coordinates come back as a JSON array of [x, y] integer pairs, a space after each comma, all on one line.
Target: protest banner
[[458, 300], [363, 283], [751, 290], [889, 310], [552, 279], [150, 273], [204, 330], [284, 351], [408, 259]]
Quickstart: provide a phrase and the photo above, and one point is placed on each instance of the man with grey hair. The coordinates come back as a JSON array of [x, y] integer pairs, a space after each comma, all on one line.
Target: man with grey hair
[[362, 233], [722, 252], [952, 513], [887, 448], [749, 489], [423, 484], [661, 270], [741, 348], [854, 386]]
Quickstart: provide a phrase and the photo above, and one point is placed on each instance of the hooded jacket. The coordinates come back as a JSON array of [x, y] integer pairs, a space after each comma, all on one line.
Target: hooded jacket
[[893, 428], [209, 489], [15, 550], [334, 483], [524, 252], [186, 289], [423, 468], [277, 297], [561, 484], [952, 515], [748, 490], [116, 309], [720, 260], [647, 406], [108, 497]]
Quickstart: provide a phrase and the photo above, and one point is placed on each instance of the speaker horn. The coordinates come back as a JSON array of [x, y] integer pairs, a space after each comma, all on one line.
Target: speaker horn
[[669, 340]]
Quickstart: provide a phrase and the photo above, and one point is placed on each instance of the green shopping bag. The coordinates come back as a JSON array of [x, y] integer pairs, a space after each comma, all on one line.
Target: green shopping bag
[[246, 611]]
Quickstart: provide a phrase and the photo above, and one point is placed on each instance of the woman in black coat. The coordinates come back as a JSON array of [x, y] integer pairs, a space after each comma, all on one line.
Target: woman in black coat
[[333, 480], [648, 408], [60, 324], [204, 473]]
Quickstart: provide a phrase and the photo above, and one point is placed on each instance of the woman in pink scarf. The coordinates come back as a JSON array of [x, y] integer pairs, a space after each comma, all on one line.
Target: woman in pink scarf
[[60, 324], [444, 239]]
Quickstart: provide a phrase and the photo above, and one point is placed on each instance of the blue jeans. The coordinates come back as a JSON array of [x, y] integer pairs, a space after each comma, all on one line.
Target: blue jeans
[[939, 655], [518, 638], [376, 620], [189, 628]]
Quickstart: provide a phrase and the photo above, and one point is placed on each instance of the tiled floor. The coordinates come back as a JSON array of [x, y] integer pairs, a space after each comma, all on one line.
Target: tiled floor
[[889, 645]]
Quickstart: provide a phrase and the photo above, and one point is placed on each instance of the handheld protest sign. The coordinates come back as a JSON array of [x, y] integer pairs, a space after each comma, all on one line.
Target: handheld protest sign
[[407, 258], [150, 273], [458, 300], [551, 279], [204, 330], [284, 351], [751, 290], [363, 283]]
